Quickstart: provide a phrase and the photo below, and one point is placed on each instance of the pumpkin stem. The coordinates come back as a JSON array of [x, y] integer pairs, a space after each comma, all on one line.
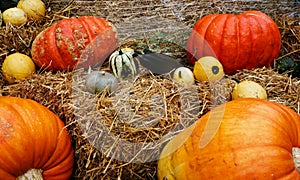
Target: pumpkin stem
[[32, 174], [232, 78], [296, 157], [120, 52]]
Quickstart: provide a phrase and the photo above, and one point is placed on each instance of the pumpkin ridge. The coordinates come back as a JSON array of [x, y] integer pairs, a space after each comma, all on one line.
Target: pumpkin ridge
[[267, 25], [37, 51], [207, 47], [292, 174], [45, 164], [268, 41], [276, 38], [45, 150], [7, 175], [244, 44], [252, 50], [229, 59], [39, 54], [255, 117], [271, 150], [219, 49], [276, 123], [60, 159], [42, 150], [257, 55], [52, 51], [198, 35], [286, 115], [97, 28], [219, 45], [66, 44], [9, 157], [24, 115], [237, 30], [87, 24], [86, 28], [60, 141]]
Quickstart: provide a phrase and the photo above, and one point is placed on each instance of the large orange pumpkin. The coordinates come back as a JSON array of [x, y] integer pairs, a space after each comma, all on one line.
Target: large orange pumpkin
[[244, 41], [60, 46], [33, 142], [255, 141]]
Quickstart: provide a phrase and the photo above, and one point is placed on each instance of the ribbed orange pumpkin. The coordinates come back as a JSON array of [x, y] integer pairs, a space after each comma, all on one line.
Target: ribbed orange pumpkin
[[33, 141], [60, 46], [255, 141], [244, 41]]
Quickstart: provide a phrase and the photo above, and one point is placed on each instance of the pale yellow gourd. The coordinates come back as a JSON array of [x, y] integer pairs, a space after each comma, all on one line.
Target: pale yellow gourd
[[35, 9], [248, 89], [17, 66], [14, 16], [184, 76]]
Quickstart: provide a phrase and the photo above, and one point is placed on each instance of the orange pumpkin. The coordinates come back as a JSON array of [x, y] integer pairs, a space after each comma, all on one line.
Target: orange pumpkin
[[33, 141], [74, 42], [244, 41], [256, 140]]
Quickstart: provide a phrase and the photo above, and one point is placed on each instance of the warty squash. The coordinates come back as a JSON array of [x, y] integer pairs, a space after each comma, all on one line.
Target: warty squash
[[74, 43]]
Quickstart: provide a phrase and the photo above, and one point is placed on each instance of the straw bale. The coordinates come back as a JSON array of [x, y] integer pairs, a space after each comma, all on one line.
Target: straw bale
[[55, 91], [148, 108]]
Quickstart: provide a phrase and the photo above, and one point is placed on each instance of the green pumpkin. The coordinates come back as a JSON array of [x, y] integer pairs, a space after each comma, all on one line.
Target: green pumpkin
[[122, 63], [97, 81], [288, 65]]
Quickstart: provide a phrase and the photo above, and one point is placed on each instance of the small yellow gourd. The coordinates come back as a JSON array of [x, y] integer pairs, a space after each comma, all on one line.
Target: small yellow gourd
[[248, 89], [14, 16], [17, 66], [208, 68], [35, 9]]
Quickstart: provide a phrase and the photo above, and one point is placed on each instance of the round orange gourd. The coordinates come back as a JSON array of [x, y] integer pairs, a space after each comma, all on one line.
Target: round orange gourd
[[255, 140], [244, 41], [33, 141], [62, 45]]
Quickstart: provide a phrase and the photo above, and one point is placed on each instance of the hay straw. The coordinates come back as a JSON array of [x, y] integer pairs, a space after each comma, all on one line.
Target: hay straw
[[58, 91], [141, 111], [280, 88]]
